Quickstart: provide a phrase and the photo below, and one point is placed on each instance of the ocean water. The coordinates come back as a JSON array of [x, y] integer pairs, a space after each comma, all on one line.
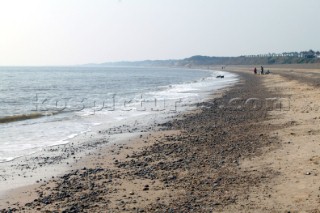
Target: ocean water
[[46, 106]]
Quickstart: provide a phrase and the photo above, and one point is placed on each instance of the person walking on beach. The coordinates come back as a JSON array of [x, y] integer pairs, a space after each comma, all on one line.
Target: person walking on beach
[[255, 70], [261, 70]]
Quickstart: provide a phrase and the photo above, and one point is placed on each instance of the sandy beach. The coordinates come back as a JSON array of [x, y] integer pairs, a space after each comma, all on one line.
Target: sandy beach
[[253, 148]]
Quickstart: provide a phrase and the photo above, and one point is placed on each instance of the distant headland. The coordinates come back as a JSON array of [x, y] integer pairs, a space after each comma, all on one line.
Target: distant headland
[[302, 57]]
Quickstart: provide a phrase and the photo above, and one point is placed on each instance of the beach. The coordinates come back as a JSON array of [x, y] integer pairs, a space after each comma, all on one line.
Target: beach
[[250, 148]]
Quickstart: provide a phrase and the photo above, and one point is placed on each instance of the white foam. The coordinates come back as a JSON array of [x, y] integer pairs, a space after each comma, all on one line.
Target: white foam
[[196, 88]]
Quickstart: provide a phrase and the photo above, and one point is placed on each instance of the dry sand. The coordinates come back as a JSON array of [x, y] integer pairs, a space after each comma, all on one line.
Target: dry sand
[[297, 187]]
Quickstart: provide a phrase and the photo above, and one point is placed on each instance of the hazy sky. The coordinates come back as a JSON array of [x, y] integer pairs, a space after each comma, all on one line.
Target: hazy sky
[[67, 32]]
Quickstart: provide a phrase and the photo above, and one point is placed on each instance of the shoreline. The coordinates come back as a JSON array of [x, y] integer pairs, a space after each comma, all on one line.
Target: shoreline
[[182, 116], [28, 172], [221, 158], [37, 139]]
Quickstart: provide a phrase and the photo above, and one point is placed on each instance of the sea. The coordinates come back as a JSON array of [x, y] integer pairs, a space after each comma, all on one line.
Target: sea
[[48, 106]]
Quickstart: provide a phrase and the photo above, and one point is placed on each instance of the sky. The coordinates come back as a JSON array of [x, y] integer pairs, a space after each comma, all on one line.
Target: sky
[[73, 32]]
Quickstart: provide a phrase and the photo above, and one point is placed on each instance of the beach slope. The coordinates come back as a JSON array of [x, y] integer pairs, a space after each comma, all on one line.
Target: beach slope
[[254, 149]]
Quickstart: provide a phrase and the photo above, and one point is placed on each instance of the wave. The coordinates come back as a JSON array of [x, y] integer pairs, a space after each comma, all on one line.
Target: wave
[[22, 117]]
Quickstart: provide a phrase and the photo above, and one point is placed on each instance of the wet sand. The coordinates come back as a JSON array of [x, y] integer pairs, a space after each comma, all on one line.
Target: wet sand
[[243, 152]]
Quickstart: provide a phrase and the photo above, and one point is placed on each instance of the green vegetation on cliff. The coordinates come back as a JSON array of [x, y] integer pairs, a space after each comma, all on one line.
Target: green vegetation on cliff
[[283, 58]]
